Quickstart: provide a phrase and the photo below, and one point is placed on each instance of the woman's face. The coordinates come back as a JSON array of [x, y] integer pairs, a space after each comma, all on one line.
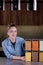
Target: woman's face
[[12, 32]]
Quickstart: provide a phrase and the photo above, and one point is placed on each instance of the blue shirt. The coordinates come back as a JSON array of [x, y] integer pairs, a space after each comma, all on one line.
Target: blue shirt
[[9, 49]]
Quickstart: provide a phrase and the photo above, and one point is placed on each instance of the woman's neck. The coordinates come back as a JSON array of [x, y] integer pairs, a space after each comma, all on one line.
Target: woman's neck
[[13, 40]]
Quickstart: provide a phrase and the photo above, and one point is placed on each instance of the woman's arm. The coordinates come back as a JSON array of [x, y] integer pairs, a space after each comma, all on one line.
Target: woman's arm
[[8, 55], [18, 58]]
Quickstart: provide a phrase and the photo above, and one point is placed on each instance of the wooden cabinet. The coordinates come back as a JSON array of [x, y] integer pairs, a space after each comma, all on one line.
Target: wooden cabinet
[[22, 17]]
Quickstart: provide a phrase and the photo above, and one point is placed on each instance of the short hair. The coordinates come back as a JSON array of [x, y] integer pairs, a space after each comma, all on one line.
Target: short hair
[[11, 25]]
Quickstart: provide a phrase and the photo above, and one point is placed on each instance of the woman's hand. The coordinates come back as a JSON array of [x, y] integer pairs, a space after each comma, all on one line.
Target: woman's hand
[[23, 58]]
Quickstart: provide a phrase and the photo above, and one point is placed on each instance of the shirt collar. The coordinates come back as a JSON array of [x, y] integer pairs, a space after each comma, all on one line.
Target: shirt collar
[[9, 42]]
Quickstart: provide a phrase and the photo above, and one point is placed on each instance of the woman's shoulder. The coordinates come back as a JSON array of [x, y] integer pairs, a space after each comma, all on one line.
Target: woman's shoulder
[[20, 38], [5, 41]]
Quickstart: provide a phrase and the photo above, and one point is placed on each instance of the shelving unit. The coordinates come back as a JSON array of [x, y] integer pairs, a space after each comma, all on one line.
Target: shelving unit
[[34, 50]]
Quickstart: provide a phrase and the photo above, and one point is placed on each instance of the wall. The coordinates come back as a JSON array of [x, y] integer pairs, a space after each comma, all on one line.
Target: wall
[[22, 17]]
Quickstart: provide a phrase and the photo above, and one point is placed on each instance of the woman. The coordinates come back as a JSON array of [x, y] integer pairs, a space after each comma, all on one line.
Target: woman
[[13, 46]]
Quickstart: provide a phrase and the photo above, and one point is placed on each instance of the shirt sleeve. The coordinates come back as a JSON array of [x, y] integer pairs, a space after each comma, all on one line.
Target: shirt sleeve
[[7, 53], [23, 47]]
